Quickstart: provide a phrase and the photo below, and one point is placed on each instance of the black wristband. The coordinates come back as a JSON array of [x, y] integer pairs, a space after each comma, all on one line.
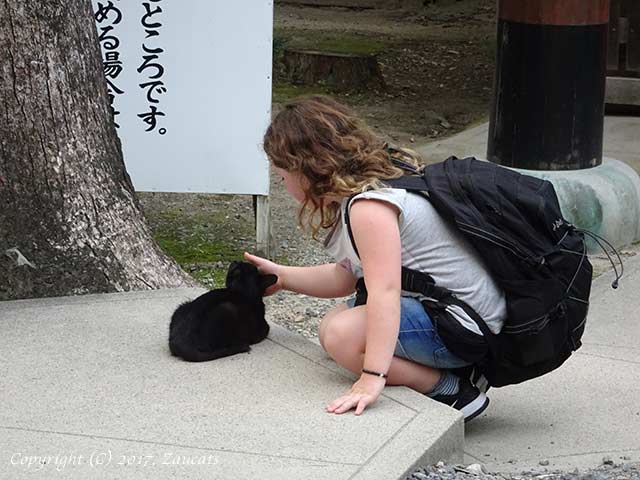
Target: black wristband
[[371, 372]]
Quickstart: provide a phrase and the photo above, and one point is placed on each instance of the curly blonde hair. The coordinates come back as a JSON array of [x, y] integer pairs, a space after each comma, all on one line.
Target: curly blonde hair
[[333, 150]]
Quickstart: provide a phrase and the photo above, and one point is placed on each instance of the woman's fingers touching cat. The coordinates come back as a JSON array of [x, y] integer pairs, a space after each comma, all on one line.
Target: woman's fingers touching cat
[[255, 260], [266, 267], [261, 263], [250, 258]]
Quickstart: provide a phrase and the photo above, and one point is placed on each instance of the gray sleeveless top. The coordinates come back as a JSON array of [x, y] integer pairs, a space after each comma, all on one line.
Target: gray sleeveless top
[[432, 246]]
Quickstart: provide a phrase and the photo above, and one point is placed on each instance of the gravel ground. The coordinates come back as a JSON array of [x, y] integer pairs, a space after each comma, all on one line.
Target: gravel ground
[[298, 313], [608, 470]]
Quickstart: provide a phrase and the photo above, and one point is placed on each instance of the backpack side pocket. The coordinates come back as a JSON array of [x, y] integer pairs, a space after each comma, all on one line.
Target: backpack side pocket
[[461, 341]]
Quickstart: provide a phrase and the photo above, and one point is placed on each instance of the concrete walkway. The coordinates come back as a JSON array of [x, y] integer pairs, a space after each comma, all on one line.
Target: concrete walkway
[[586, 410], [89, 387]]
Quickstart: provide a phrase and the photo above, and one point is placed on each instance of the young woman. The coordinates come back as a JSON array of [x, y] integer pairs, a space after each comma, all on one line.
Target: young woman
[[330, 162]]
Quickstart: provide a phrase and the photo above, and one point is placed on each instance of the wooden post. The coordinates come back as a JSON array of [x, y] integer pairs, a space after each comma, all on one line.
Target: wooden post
[[548, 111], [263, 225]]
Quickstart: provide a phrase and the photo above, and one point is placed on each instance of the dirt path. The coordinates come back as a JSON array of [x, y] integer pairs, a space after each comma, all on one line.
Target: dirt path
[[437, 61]]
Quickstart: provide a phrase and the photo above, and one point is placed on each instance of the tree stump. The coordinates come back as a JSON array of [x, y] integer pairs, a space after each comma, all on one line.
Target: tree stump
[[339, 71]]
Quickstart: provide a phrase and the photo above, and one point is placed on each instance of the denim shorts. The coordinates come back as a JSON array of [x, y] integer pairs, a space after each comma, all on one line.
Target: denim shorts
[[418, 340]]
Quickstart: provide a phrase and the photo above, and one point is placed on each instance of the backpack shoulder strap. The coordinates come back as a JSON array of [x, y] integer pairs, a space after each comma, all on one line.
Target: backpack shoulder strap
[[412, 183], [348, 222], [420, 282]]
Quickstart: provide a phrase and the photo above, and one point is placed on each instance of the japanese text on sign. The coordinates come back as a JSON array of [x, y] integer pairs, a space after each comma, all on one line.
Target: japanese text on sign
[[110, 15], [151, 67]]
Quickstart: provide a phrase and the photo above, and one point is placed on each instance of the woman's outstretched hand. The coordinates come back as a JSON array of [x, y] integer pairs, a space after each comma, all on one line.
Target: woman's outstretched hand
[[362, 394], [266, 267]]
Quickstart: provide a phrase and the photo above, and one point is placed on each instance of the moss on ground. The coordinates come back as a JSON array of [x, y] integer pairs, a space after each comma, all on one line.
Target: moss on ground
[[203, 237], [358, 44], [319, 41], [203, 233], [283, 92]]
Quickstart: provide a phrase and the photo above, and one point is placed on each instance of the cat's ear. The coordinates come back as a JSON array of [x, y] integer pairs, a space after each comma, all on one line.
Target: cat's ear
[[267, 280]]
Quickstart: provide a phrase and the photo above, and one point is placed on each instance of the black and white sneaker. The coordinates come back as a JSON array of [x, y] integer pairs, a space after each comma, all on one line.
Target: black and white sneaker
[[475, 376], [469, 400]]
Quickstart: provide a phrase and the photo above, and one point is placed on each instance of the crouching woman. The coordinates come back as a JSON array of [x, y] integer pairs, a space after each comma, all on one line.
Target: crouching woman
[[334, 167]]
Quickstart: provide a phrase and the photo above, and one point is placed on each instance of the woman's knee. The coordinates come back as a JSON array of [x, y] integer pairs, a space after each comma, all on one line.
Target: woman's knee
[[342, 329], [326, 320]]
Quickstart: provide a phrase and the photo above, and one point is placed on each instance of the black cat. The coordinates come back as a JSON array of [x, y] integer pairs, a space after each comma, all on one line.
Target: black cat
[[224, 321]]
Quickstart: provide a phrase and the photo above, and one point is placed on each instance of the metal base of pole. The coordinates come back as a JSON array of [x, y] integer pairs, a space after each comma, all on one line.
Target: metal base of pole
[[604, 199]]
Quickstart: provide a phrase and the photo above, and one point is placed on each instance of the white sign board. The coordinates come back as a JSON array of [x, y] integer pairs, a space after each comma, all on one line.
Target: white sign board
[[190, 83]]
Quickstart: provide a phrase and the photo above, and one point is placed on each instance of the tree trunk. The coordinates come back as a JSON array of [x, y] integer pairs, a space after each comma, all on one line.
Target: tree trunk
[[70, 221], [339, 71]]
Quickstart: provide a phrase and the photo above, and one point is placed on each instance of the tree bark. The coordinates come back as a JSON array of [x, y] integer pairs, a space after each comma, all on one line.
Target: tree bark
[[340, 71], [70, 221]]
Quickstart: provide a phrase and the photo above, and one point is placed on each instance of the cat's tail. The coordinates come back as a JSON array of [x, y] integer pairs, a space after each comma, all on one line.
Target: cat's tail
[[199, 356]]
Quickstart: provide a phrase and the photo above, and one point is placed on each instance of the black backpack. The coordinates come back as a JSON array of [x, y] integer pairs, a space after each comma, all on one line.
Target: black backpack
[[536, 256]]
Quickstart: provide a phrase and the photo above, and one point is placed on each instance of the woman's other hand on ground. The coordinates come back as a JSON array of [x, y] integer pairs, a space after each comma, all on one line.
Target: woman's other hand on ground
[[267, 267], [362, 394]]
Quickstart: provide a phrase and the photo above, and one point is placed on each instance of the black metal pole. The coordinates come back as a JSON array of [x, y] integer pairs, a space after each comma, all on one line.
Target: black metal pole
[[548, 110]]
